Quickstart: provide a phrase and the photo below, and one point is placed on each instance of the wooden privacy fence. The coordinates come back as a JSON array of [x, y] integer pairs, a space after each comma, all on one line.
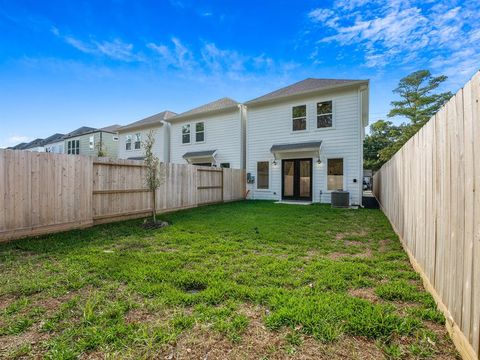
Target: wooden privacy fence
[[430, 191], [44, 192]]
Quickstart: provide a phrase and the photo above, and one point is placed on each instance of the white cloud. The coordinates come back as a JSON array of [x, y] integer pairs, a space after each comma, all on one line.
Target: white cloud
[[209, 61], [13, 140], [400, 32], [115, 49]]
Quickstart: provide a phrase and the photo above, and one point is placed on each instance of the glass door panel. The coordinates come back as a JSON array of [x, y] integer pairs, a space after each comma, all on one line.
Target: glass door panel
[[305, 181], [288, 178]]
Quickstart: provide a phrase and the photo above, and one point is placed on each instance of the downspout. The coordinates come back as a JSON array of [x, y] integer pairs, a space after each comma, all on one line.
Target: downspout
[[101, 141]]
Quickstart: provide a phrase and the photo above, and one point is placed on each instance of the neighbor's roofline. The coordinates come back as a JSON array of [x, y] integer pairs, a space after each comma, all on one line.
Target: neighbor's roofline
[[89, 132], [141, 126], [354, 83], [181, 117]]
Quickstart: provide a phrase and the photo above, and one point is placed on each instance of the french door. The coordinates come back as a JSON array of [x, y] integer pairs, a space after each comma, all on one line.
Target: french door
[[297, 179]]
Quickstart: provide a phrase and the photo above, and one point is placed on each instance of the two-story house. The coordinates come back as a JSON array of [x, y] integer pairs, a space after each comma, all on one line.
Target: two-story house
[[54, 143], [210, 135], [131, 137], [35, 145], [306, 140], [92, 142]]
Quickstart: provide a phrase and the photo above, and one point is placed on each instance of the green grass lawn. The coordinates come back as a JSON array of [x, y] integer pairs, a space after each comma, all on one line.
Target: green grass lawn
[[245, 280]]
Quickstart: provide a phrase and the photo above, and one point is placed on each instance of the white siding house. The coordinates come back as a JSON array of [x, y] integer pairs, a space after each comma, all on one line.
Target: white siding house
[[54, 144], [132, 136], [35, 145], [306, 140], [211, 135]]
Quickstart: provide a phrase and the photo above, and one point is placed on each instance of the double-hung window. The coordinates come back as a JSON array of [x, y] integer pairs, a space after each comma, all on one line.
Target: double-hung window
[[128, 142], [324, 114], [200, 132], [186, 134], [299, 117], [73, 147], [91, 142], [138, 141]]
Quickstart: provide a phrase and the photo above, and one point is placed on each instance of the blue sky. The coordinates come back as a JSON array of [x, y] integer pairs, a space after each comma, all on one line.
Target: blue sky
[[65, 64]]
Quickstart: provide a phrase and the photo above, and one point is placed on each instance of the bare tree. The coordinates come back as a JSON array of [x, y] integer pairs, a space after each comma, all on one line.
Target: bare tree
[[153, 176]]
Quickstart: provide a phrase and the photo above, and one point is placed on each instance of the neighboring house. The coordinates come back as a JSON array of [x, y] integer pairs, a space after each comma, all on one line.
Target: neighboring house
[[18, 146], [210, 135], [35, 145], [131, 137], [54, 144], [89, 141], [306, 140]]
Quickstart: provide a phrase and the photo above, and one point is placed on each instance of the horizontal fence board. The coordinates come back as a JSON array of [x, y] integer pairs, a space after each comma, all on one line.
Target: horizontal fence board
[[430, 191], [44, 192]]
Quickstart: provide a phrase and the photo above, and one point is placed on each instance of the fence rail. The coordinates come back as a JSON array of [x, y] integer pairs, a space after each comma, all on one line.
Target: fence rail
[[430, 191], [45, 192]]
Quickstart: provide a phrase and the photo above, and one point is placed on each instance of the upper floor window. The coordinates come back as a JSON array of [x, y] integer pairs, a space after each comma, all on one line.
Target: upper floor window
[[91, 142], [115, 137], [128, 142], [138, 141], [200, 132], [186, 134], [324, 114], [73, 147], [299, 117]]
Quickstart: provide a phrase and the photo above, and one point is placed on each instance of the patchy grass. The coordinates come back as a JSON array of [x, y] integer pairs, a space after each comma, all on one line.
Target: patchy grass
[[240, 280]]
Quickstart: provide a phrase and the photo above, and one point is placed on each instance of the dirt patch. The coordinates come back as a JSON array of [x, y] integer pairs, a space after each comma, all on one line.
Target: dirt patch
[[338, 255], [383, 245], [344, 235], [10, 343], [365, 293], [258, 342], [347, 347], [5, 301]]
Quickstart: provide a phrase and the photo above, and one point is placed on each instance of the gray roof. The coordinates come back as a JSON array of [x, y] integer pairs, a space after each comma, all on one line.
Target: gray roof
[[19, 146], [34, 143], [80, 131], [111, 128], [305, 86], [154, 119], [199, 154], [217, 105], [54, 138], [296, 146]]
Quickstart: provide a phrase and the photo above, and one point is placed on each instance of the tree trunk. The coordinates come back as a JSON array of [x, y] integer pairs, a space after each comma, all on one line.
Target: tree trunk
[[154, 207]]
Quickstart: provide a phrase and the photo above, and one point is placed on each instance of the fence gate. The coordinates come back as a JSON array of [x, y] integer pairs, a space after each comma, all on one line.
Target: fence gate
[[209, 185]]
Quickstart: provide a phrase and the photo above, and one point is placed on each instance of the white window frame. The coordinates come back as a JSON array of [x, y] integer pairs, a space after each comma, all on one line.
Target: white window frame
[[268, 173], [72, 147], [189, 134], [300, 117], [343, 169], [128, 140], [138, 139], [196, 132], [91, 142], [332, 113]]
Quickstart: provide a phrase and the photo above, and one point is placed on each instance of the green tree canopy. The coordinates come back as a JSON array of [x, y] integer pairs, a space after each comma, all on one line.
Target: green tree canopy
[[417, 104]]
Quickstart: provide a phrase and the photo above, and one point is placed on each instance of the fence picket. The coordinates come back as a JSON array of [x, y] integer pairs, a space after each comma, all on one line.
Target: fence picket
[[430, 191]]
